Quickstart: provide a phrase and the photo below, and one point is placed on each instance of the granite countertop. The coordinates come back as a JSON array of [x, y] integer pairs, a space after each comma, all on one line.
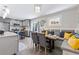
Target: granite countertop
[[65, 46], [8, 34]]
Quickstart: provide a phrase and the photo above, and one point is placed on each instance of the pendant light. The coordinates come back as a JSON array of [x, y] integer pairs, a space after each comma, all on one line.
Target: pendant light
[[37, 8], [5, 11]]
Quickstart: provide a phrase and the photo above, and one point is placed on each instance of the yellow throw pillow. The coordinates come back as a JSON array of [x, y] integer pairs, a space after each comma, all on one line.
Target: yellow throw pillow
[[74, 42], [67, 35]]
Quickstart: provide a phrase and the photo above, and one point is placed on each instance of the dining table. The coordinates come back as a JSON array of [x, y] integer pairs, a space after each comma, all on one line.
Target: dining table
[[52, 39]]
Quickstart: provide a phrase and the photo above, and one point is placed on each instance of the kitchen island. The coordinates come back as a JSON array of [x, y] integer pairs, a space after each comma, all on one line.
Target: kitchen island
[[9, 43]]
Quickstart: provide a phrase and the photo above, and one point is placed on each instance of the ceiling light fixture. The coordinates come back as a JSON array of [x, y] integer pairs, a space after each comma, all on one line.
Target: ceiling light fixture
[[5, 12], [37, 8]]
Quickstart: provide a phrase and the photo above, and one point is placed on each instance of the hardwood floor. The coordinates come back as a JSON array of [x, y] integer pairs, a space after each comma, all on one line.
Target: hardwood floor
[[26, 48]]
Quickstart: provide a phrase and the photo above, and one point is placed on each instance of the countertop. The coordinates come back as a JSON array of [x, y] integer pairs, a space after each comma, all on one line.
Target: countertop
[[8, 34]]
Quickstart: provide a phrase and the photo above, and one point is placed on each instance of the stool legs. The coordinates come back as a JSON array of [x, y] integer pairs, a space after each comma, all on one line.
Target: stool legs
[[34, 48], [39, 49], [45, 51]]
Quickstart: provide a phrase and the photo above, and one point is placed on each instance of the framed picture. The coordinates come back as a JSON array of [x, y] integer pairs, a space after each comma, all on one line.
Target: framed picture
[[55, 21]]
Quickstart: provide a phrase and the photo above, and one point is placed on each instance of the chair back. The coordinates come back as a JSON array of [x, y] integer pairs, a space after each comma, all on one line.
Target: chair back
[[42, 40], [57, 32], [35, 38]]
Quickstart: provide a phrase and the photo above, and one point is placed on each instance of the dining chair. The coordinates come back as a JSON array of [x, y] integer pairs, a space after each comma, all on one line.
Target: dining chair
[[57, 43], [57, 32], [35, 40], [43, 42]]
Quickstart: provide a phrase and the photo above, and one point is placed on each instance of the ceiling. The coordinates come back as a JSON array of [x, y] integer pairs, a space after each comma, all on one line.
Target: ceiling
[[26, 11]]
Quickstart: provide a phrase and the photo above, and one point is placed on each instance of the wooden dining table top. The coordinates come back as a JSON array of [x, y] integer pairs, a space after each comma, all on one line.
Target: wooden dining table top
[[54, 37]]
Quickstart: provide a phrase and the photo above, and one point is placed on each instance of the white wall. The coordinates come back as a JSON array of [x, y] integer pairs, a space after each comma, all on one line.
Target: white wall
[[69, 18]]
